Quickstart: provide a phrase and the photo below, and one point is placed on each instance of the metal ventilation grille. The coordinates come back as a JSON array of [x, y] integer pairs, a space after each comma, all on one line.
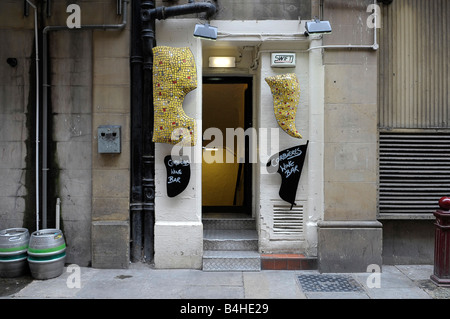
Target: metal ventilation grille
[[287, 223], [414, 172], [413, 70]]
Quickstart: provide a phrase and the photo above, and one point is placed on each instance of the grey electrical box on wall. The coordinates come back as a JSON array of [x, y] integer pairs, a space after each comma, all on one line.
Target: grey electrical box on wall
[[109, 139]]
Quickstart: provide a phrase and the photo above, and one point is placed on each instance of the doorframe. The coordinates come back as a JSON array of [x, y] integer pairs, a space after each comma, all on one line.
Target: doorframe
[[247, 208]]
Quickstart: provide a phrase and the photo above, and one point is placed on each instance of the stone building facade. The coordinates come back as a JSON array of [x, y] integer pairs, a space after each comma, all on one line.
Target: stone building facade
[[87, 83]]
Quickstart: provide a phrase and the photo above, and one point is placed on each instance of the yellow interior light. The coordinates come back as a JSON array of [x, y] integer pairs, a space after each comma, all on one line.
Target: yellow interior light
[[222, 62]]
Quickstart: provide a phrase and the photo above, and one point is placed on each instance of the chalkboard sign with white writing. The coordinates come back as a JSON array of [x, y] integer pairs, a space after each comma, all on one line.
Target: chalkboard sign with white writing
[[288, 163], [178, 174]]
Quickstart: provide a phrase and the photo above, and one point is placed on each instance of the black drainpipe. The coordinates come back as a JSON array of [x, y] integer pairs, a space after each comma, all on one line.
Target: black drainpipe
[[136, 75], [142, 205]]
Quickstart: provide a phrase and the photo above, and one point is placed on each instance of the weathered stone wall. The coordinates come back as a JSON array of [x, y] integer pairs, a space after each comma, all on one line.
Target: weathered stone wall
[[17, 109], [88, 86], [254, 9], [350, 236], [111, 172], [408, 242], [89, 77], [70, 134]]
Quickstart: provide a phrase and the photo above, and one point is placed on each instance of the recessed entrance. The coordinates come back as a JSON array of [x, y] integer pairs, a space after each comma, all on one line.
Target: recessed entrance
[[226, 169]]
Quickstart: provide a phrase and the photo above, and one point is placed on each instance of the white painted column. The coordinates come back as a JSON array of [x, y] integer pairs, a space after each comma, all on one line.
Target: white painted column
[[315, 200], [178, 220]]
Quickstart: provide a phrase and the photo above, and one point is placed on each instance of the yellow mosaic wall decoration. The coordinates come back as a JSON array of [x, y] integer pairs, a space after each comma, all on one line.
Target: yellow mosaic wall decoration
[[174, 76], [286, 95]]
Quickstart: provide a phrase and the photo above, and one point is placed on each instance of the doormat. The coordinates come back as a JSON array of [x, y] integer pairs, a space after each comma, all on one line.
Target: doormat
[[328, 283]]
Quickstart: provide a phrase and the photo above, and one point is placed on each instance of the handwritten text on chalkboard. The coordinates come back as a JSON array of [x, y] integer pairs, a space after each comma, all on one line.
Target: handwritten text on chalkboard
[[288, 163], [178, 174]]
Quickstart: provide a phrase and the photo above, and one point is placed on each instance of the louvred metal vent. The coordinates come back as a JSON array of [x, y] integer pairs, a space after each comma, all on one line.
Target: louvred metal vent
[[414, 172], [287, 223]]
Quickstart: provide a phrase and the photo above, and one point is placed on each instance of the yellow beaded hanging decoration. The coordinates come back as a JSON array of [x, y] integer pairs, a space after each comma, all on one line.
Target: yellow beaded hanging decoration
[[174, 76], [285, 90]]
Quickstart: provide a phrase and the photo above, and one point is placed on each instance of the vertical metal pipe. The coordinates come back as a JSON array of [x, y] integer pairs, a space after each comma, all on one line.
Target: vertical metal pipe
[[119, 7], [58, 213], [45, 94], [26, 8], [49, 8], [148, 16], [37, 110], [136, 75], [148, 157]]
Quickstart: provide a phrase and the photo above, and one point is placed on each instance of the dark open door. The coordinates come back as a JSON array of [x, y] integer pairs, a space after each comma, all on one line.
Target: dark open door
[[226, 168]]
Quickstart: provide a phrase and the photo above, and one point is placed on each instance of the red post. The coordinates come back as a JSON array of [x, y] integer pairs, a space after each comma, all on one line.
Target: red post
[[441, 273]]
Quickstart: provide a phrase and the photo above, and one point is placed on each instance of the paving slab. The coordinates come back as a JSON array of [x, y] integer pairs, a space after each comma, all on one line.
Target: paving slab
[[416, 272], [398, 293], [142, 281], [270, 284]]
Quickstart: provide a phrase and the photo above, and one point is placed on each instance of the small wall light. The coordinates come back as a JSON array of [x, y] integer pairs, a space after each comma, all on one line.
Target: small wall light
[[317, 27], [222, 62], [205, 31]]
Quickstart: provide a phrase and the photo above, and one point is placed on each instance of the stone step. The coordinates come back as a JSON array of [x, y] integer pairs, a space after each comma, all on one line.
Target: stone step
[[230, 243], [230, 239], [231, 260], [229, 223], [288, 262]]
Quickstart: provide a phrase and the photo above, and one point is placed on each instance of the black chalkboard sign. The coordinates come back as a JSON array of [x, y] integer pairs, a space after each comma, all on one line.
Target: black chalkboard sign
[[178, 174], [288, 163]]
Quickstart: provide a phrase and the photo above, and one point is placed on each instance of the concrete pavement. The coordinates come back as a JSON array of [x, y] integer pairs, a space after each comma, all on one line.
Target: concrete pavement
[[141, 281]]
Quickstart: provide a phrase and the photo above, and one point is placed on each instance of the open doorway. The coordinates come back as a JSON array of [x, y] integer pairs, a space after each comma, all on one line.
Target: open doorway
[[226, 168]]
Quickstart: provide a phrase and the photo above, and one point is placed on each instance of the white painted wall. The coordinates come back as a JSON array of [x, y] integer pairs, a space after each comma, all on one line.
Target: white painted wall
[[178, 221], [309, 122], [178, 225]]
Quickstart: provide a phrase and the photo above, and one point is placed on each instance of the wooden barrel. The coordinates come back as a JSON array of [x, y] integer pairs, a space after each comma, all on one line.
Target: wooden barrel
[[13, 252], [46, 253]]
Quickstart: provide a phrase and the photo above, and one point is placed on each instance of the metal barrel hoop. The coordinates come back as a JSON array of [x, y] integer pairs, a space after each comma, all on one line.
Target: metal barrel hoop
[[46, 253], [13, 252]]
